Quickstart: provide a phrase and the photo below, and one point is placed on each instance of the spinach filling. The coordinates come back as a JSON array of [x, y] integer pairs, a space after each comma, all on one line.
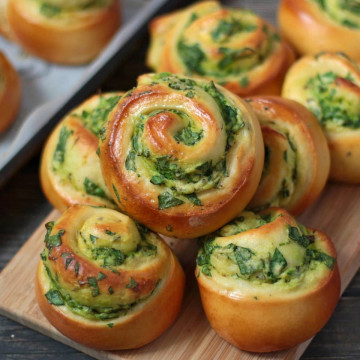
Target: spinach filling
[[344, 12], [183, 184], [251, 266], [111, 259], [51, 11], [233, 61], [93, 189], [59, 154], [56, 296], [95, 118], [229, 27], [328, 104]]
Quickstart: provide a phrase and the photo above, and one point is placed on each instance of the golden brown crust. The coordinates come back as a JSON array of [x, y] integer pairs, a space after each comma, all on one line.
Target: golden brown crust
[[296, 169], [64, 186], [310, 30], [339, 97], [139, 197], [10, 93], [243, 75], [268, 317], [138, 326], [270, 325], [74, 40]]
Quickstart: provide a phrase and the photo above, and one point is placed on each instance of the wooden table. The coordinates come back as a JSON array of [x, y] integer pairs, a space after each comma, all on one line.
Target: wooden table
[[24, 207]]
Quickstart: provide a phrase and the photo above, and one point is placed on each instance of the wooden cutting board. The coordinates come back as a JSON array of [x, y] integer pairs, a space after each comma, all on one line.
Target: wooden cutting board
[[336, 212]]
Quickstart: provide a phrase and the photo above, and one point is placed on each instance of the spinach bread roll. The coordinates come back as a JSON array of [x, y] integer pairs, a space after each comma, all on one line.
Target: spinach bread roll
[[70, 169], [328, 84], [181, 156], [297, 159], [266, 282], [232, 47], [10, 93], [66, 32], [106, 281], [312, 26]]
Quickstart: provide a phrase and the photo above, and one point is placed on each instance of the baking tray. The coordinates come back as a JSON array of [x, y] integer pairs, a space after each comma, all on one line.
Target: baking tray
[[50, 91]]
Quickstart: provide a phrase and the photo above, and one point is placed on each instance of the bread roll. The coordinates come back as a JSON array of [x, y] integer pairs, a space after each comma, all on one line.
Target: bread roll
[[64, 32], [266, 282], [312, 26], [10, 93], [232, 47], [181, 156], [70, 170], [328, 84], [105, 281], [297, 159]]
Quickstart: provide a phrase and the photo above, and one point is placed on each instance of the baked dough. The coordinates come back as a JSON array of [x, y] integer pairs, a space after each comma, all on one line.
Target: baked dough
[[107, 282], [266, 282], [181, 156], [297, 159], [70, 167], [10, 93], [231, 46], [65, 32], [312, 26], [328, 84]]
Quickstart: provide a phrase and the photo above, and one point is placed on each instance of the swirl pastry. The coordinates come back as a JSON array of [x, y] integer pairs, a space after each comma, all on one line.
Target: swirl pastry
[[104, 281], [232, 47], [266, 282], [10, 93], [297, 160], [181, 156], [312, 26], [70, 169], [328, 84], [66, 32]]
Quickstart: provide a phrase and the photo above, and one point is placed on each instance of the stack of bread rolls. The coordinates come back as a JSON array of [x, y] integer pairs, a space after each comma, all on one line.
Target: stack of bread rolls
[[184, 156]]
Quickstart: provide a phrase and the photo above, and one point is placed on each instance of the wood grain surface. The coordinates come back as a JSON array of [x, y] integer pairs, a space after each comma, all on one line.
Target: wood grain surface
[[191, 336]]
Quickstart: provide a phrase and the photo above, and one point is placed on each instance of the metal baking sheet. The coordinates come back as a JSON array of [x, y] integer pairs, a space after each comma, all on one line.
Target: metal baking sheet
[[49, 90]]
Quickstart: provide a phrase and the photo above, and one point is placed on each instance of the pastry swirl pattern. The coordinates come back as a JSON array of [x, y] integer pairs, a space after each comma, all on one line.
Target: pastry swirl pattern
[[232, 47], [312, 26], [104, 272], [328, 84], [181, 155], [266, 282], [297, 159], [70, 166]]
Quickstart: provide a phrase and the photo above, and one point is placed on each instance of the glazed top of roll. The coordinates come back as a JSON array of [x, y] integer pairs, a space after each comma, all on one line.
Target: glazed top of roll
[[100, 263], [266, 254], [297, 159], [226, 45], [342, 12], [70, 168], [328, 84], [62, 12], [181, 150]]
